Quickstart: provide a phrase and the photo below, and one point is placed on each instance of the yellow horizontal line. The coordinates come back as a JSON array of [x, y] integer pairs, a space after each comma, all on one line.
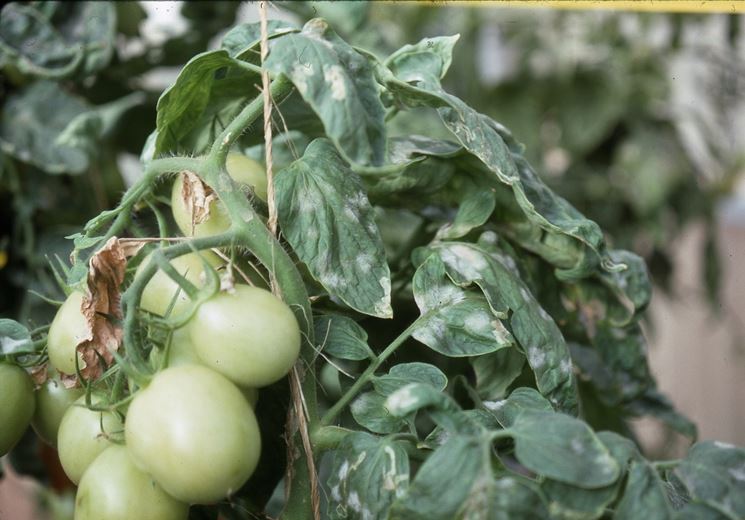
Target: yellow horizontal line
[[678, 6]]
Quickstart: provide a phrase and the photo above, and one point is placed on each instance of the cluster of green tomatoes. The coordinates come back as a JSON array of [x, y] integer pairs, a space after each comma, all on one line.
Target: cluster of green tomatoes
[[190, 435]]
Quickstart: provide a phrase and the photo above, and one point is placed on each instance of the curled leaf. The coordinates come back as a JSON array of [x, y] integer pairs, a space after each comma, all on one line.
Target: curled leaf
[[101, 308], [197, 197]]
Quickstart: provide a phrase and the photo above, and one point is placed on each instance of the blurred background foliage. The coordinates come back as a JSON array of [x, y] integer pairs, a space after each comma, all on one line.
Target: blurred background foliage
[[602, 101]]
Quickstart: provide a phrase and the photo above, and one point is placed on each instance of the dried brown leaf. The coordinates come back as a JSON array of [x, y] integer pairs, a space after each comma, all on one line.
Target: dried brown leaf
[[39, 374], [101, 307], [197, 197]]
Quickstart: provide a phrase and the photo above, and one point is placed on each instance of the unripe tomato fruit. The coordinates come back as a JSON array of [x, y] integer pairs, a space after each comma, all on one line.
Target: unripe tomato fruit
[[249, 335], [83, 435], [114, 489], [182, 352], [195, 433], [243, 170], [16, 405], [68, 328], [161, 289], [52, 401]]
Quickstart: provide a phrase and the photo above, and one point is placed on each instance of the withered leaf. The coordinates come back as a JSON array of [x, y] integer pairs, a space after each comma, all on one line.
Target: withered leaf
[[101, 308], [197, 197]]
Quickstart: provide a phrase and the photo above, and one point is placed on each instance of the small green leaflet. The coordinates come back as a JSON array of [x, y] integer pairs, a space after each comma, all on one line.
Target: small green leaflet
[[563, 448], [78, 38], [495, 372], [521, 399], [338, 83], [210, 89], [369, 410], [474, 210], [401, 375], [242, 41], [714, 475], [454, 322], [341, 337], [644, 495], [367, 474], [326, 217], [539, 336], [14, 337]]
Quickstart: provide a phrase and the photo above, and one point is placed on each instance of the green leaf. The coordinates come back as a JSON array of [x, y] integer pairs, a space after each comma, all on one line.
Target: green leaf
[[714, 474], [326, 217], [415, 396], [370, 411], [495, 372], [454, 322], [471, 491], [33, 119], [77, 39], [520, 400], [209, 91], [563, 448], [474, 210], [569, 502], [401, 375], [338, 83], [694, 511], [644, 496], [342, 337], [538, 335], [430, 56], [367, 474], [242, 41], [14, 337]]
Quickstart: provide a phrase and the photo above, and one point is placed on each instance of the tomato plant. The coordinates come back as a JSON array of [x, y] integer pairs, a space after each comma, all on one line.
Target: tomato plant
[[440, 334], [113, 488], [16, 404], [195, 433]]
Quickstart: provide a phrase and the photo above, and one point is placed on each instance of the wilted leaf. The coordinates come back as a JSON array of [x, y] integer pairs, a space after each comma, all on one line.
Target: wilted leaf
[[197, 197]]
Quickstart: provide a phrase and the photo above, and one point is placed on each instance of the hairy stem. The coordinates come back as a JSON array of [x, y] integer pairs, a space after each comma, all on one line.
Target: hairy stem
[[364, 378]]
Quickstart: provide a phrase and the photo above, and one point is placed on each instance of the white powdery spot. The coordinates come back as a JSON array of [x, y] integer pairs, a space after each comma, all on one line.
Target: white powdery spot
[[536, 357], [354, 501], [526, 294], [300, 73], [495, 406], [335, 494], [738, 473], [344, 470], [465, 260], [565, 367], [400, 400], [500, 332], [723, 445], [489, 237], [505, 483], [334, 76], [358, 200], [542, 312], [478, 322], [305, 204], [383, 306], [607, 462], [577, 446], [442, 296], [332, 280], [364, 262], [351, 213]]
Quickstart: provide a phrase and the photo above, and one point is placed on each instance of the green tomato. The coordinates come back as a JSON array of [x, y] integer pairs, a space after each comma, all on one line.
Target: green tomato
[[114, 489], [244, 171], [16, 405], [249, 335], [182, 352], [161, 288], [194, 432], [83, 435], [69, 327], [52, 401]]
